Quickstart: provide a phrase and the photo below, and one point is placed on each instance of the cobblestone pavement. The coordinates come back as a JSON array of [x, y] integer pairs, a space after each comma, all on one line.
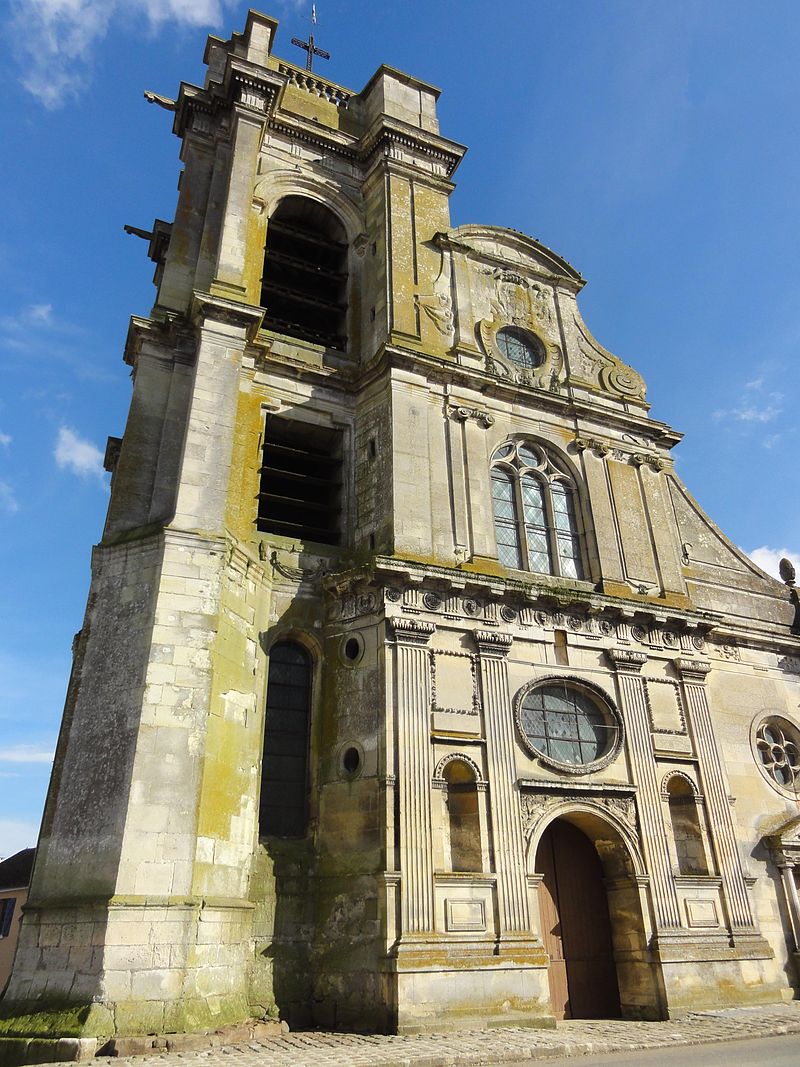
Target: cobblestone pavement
[[475, 1047]]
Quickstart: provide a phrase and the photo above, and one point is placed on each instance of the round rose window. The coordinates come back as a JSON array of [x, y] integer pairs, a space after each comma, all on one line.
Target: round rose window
[[777, 746]]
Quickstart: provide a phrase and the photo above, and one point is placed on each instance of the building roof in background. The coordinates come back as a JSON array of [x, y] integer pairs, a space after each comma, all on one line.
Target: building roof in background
[[15, 872]]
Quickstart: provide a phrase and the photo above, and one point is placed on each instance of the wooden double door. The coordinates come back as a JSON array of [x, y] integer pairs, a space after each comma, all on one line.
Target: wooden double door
[[575, 926]]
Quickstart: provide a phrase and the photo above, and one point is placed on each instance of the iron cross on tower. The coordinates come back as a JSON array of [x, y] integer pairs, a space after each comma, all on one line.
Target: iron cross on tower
[[309, 46]]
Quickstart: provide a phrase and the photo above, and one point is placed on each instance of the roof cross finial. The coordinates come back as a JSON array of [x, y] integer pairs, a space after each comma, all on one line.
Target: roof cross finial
[[309, 46]]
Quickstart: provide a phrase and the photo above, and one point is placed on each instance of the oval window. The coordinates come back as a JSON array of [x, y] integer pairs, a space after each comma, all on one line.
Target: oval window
[[567, 724], [520, 347]]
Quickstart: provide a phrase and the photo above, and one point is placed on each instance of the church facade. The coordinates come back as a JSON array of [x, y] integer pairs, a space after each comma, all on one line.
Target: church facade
[[414, 688]]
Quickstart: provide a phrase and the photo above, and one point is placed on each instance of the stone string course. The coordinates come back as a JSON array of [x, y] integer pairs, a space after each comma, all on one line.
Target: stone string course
[[474, 1047]]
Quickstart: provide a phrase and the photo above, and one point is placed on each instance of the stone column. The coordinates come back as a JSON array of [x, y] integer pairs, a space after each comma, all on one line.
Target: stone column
[[509, 847], [414, 773], [715, 787], [628, 665], [792, 900]]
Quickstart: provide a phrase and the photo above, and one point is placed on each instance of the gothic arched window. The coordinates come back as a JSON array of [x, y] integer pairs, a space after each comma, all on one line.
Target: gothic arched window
[[283, 810], [304, 285], [535, 517]]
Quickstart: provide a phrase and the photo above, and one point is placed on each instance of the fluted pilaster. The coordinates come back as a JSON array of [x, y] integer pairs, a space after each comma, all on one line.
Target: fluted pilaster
[[716, 792], [640, 747], [509, 847], [414, 773]]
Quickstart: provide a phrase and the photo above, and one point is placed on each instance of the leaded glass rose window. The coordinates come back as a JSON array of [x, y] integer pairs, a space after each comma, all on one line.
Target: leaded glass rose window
[[535, 514], [520, 347], [777, 748], [568, 724]]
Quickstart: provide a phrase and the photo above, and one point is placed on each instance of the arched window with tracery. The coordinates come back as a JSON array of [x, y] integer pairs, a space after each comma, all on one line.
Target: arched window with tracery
[[687, 832], [463, 817], [535, 514], [304, 285], [283, 808]]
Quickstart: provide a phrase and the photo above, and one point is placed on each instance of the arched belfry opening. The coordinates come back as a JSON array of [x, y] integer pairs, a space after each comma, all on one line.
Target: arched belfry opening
[[592, 923], [304, 284]]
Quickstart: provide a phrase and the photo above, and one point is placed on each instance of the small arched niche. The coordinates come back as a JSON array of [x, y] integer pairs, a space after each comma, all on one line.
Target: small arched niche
[[687, 832], [463, 816], [304, 284]]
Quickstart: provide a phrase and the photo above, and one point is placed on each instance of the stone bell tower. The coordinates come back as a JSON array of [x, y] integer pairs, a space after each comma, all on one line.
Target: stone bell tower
[[396, 625], [150, 887]]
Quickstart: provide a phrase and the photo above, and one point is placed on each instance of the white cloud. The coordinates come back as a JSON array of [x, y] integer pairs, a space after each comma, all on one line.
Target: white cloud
[[56, 38], [768, 558], [75, 454], [41, 312], [758, 404], [16, 835], [5, 438], [753, 413], [8, 501], [26, 754], [34, 328]]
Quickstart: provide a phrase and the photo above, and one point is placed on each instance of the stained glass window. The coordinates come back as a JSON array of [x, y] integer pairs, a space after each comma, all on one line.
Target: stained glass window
[[566, 724], [505, 519], [536, 522]]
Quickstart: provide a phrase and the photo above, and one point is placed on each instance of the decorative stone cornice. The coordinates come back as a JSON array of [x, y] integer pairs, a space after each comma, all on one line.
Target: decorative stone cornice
[[492, 642], [411, 631], [638, 459], [583, 444], [483, 418], [625, 659], [387, 135], [208, 308], [692, 670], [246, 85]]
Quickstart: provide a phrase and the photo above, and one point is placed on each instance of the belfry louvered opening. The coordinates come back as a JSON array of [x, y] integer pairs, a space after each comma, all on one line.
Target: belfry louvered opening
[[301, 481], [304, 285]]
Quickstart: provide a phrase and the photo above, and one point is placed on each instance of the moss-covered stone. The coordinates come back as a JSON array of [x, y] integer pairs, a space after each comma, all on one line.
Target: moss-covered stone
[[58, 1020]]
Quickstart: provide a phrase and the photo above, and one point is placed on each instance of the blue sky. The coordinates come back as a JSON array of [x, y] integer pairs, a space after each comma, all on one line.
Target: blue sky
[[654, 145]]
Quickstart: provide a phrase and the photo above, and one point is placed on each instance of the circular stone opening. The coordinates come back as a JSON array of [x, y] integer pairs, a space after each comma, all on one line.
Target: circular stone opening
[[351, 649], [520, 347], [568, 725], [351, 760], [776, 746]]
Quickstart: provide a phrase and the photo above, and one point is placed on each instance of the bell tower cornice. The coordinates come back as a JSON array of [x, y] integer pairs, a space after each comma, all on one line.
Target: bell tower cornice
[[250, 86]]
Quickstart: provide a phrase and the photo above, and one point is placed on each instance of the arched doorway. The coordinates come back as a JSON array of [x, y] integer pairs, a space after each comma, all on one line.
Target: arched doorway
[[576, 929]]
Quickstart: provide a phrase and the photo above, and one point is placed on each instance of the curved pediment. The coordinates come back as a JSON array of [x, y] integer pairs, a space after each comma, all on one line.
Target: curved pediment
[[494, 243], [492, 279]]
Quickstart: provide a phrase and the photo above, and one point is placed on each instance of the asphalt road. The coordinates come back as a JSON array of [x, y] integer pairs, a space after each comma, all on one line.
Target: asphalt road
[[782, 1051]]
